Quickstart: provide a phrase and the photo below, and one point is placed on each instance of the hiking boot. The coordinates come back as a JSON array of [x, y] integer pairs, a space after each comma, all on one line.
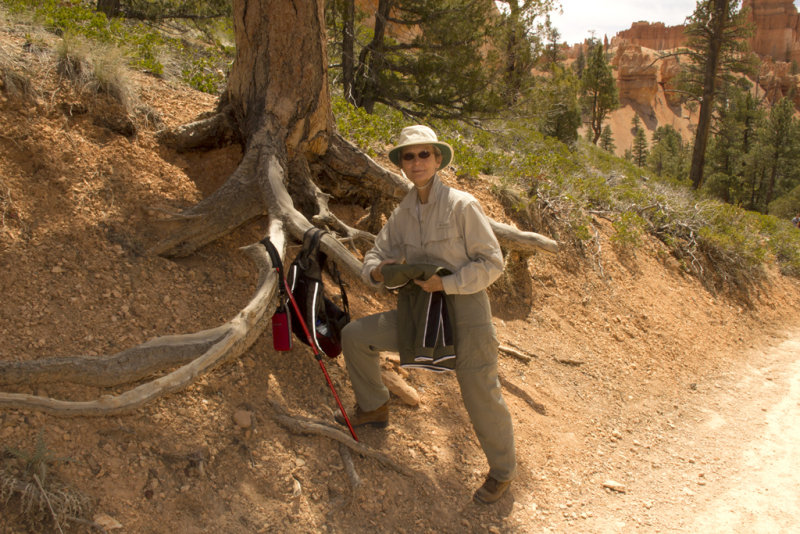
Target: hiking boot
[[379, 417], [491, 491]]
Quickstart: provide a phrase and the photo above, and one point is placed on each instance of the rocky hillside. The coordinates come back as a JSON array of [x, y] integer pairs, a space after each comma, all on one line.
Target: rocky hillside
[[616, 349]]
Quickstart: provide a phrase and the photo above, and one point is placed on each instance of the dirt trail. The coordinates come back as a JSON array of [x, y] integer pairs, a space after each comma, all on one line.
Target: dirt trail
[[732, 465], [762, 492]]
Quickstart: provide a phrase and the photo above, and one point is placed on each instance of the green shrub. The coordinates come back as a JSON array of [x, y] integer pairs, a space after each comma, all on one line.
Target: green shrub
[[628, 230], [202, 66], [370, 132]]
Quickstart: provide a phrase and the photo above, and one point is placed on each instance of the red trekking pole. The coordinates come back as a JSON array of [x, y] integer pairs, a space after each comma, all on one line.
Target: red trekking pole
[[284, 288], [318, 356]]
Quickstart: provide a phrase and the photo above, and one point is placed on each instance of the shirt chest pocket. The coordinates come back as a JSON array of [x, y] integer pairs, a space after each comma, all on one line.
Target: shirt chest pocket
[[446, 243]]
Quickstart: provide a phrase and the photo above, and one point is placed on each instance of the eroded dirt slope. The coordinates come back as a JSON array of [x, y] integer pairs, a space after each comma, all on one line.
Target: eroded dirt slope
[[624, 348]]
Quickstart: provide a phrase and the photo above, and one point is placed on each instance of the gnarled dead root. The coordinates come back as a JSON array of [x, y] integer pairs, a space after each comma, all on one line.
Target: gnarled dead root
[[209, 132], [227, 342], [257, 187]]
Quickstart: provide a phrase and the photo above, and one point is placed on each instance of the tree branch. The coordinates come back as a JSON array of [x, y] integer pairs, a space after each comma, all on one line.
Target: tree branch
[[303, 425]]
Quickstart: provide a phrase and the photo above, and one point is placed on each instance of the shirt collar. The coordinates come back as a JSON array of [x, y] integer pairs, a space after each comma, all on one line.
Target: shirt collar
[[410, 200]]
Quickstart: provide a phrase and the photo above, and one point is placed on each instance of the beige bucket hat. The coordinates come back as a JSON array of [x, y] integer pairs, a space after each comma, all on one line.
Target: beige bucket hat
[[420, 135]]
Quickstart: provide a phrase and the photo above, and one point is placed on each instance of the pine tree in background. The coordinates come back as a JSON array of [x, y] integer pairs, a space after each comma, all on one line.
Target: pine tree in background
[[599, 95], [580, 62], [438, 70], [628, 155], [668, 155], [556, 104], [520, 35], [717, 35], [437, 58], [778, 144], [552, 49], [639, 149], [735, 120], [607, 139], [636, 123]]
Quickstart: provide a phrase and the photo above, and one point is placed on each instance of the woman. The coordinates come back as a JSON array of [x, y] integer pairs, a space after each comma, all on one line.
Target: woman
[[435, 224]]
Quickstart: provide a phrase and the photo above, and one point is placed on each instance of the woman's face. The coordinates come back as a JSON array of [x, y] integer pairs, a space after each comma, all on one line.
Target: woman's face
[[419, 163]]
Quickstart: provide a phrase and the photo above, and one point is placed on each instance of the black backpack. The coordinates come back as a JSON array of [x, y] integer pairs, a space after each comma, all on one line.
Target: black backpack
[[323, 318]]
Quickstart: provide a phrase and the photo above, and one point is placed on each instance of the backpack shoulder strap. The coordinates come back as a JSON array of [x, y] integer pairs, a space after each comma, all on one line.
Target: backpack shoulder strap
[[277, 264], [338, 278], [310, 258]]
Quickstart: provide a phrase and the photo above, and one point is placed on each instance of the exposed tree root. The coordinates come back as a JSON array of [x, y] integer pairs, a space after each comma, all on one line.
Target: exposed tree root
[[210, 132], [522, 394], [349, 467], [235, 203], [239, 334], [345, 159], [122, 368], [302, 425]]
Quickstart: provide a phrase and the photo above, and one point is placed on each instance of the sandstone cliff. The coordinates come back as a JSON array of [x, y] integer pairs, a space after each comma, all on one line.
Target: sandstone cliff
[[776, 29], [656, 35], [646, 83]]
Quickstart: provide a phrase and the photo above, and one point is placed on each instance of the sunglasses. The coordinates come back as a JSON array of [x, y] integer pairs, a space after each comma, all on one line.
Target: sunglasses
[[409, 156]]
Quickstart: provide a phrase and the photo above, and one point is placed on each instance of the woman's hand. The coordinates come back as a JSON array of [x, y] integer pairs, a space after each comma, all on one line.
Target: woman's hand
[[376, 273], [432, 284]]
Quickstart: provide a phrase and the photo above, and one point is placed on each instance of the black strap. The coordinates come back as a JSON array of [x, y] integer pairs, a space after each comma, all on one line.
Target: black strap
[[311, 241], [277, 264], [338, 278]]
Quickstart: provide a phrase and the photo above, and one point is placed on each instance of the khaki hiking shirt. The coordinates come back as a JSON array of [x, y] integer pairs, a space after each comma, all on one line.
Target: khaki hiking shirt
[[450, 231]]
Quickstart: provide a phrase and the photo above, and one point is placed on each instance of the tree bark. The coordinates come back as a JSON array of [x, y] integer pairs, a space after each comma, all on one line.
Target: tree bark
[[370, 60], [348, 50]]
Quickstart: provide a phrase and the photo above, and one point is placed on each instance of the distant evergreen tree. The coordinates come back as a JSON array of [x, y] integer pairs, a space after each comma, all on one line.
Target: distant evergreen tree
[[778, 152], [717, 33], [667, 156], [523, 27], [607, 139], [599, 94], [639, 149], [580, 62], [736, 117], [552, 50], [557, 104], [459, 59], [636, 123]]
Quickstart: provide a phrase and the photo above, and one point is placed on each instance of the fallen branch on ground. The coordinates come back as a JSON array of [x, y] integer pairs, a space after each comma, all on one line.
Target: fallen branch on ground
[[303, 425]]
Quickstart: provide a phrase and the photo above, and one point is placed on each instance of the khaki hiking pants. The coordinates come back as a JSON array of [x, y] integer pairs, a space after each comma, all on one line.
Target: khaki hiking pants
[[476, 371]]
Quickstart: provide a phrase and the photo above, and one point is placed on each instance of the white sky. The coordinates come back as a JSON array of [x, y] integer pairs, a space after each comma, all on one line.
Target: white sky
[[607, 17]]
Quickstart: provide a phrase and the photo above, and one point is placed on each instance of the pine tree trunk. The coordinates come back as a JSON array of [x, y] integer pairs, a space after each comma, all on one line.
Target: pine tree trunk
[[348, 50], [109, 7], [278, 84], [371, 59], [709, 88]]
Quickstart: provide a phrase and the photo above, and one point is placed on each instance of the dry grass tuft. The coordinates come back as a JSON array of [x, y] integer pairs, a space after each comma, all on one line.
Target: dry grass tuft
[[96, 70], [27, 486]]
